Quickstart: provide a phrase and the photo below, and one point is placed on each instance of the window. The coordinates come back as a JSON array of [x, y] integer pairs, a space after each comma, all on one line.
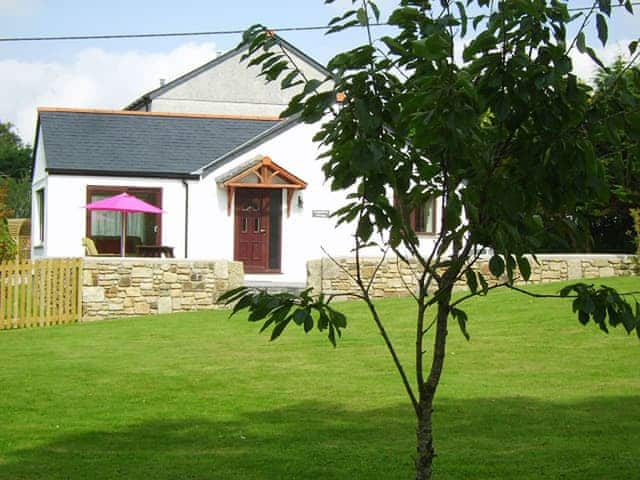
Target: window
[[423, 218], [105, 227], [40, 210]]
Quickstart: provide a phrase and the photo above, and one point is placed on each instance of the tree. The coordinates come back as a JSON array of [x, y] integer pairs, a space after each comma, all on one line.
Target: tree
[[7, 244], [15, 170], [615, 139], [19, 196], [617, 144], [506, 138], [15, 156]]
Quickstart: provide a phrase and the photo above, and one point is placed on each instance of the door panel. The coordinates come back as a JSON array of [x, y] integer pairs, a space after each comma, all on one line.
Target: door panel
[[252, 229]]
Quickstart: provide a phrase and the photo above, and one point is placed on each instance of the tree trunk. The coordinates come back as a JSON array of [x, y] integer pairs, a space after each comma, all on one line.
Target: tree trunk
[[426, 452]]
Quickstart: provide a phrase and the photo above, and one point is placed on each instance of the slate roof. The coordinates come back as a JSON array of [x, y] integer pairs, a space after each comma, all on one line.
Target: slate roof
[[142, 144]]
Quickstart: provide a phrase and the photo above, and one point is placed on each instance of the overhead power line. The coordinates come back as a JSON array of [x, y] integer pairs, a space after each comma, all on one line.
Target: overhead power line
[[157, 35], [208, 33]]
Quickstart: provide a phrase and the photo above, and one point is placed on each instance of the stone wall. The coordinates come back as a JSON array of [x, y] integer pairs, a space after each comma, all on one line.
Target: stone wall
[[117, 287], [394, 278]]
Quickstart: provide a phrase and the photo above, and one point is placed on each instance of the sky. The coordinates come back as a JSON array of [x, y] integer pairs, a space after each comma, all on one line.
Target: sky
[[112, 73]]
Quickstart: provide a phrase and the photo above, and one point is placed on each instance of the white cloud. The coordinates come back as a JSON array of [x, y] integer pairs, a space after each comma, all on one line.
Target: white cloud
[[19, 7], [93, 78], [585, 68]]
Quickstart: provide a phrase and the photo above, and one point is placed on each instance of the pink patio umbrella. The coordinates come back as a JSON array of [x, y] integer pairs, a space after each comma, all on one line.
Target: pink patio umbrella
[[123, 203]]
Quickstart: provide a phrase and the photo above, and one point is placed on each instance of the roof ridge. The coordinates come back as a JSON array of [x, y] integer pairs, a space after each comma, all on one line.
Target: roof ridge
[[158, 114]]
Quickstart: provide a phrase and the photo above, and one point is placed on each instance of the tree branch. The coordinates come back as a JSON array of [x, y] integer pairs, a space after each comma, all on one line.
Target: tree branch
[[394, 355]]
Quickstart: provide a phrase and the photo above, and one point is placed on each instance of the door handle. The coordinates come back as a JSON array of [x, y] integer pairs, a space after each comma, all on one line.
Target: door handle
[[262, 230]]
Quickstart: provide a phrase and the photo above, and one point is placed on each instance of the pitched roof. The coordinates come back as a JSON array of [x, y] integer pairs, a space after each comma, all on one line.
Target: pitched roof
[[108, 142], [140, 101]]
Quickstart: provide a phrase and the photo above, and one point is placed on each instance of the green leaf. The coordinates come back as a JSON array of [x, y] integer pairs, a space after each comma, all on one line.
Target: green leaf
[[483, 284], [524, 266], [243, 303], [274, 72], [496, 266], [231, 293], [592, 53], [472, 281], [628, 5], [463, 18], [433, 47], [511, 266], [605, 6], [308, 323], [337, 318], [332, 335], [288, 80], [462, 319], [299, 316], [603, 30], [477, 20], [374, 9], [483, 43], [260, 58], [279, 328], [581, 43], [365, 228], [362, 16], [311, 85]]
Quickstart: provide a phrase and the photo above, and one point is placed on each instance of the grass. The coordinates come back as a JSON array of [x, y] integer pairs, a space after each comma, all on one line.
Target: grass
[[533, 395]]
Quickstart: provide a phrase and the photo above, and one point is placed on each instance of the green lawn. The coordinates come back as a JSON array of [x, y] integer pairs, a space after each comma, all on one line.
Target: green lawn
[[533, 395]]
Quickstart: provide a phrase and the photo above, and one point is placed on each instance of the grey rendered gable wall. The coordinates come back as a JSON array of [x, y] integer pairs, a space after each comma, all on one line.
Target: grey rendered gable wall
[[226, 86]]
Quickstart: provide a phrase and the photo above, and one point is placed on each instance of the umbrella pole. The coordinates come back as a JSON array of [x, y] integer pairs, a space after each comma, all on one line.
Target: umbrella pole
[[123, 232]]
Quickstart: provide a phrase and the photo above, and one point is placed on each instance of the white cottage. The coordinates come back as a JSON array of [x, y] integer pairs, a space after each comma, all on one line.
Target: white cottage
[[234, 180]]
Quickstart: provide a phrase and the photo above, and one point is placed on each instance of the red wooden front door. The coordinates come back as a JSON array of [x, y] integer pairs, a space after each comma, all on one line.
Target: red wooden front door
[[252, 229]]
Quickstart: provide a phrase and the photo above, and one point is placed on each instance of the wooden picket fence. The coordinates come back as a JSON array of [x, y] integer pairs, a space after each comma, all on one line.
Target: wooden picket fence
[[40, 292]]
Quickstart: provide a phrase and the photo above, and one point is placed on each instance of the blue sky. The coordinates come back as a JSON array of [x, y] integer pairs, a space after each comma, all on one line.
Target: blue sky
[[110, 73]]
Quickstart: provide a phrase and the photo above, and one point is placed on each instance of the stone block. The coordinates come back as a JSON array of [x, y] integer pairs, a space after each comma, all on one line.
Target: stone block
[[236, 274], [141, 308], [115, 307], [221, 269], [93, 294], [165, 305], [606, 271], [88, 278], [111, 292], [142, 273], [176, 304], [132, 292], [330, 269], [169, 277]]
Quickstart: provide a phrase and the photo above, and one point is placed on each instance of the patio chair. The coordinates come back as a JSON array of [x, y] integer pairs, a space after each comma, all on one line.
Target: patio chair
[[90, 249]]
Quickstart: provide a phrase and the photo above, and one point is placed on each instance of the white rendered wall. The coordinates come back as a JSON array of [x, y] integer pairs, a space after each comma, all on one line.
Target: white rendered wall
[[39, 181], [65, 222], [230, 88], [211, 229]]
